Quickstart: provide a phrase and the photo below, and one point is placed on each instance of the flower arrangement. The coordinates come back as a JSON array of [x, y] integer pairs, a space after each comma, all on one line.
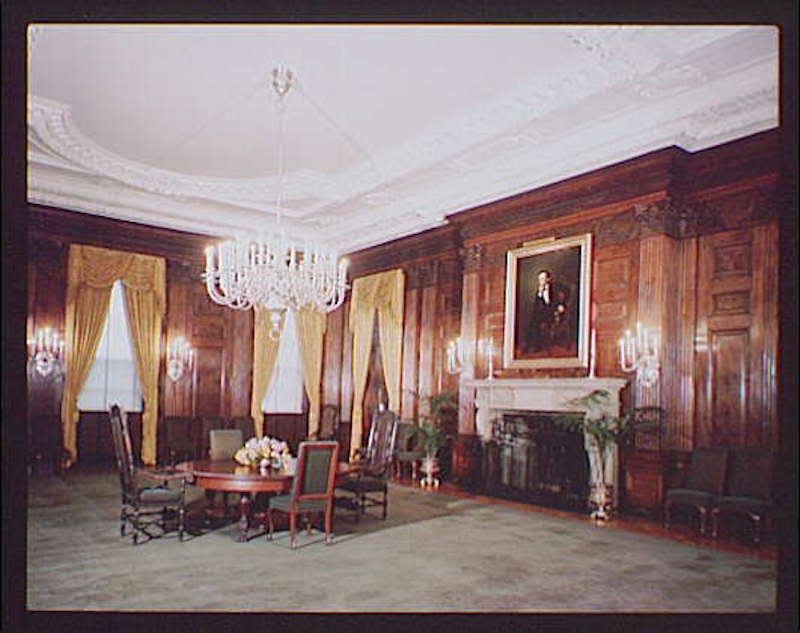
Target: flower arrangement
[[266, 451]]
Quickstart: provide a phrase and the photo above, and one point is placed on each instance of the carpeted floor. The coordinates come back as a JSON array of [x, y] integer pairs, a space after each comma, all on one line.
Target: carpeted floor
[[435, 553]]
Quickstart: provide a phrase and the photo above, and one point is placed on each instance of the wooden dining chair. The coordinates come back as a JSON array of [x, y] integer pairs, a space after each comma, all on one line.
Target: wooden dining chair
[[312, 489], [144, 507], [369, 486]]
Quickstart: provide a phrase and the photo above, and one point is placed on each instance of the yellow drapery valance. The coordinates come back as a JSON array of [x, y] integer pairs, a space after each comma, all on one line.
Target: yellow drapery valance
[[384, 292], [91, 272]]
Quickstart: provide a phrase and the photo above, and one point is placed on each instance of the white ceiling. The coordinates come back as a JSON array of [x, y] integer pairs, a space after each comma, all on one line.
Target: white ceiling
[[388, 128]]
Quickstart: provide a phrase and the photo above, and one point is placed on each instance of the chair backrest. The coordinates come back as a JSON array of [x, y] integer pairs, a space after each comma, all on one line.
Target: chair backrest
[[750, 473], [408, 438], [245, 425], [206, 424], [329, 422], [380, 444], [223, 443], [315, 474], [122, 449], [707, 470]]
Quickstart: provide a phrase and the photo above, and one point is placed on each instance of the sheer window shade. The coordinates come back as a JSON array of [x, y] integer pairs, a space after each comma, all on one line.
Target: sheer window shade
[[285, 393], [113, 378]]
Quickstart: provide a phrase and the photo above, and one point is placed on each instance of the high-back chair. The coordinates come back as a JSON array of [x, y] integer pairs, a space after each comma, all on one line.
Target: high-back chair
[[142, 506], [223, 443], [204, 425], [408, 448], [312, 489], [374, 467], [749, 489], [705, 480]]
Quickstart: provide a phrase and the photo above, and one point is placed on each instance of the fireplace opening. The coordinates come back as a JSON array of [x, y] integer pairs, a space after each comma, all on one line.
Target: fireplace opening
[[530, 458]]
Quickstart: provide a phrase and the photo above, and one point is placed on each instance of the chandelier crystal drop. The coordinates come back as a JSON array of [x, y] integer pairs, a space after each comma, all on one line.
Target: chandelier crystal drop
[[273, 273]]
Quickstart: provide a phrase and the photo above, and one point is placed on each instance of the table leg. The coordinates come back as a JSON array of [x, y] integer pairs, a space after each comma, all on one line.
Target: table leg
[[244, 517]]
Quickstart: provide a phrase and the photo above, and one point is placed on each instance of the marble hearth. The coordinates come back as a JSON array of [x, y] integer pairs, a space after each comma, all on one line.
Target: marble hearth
[[498, 397]]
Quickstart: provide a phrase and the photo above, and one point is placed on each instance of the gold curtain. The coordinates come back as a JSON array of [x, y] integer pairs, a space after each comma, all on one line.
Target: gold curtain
[[383, 292], [91, 272], [265, 354], [311, 325], [145, 289], [390, 328], [87, 311]]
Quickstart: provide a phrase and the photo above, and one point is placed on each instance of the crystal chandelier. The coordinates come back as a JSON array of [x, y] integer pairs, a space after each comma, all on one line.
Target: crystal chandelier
[[274, 273]]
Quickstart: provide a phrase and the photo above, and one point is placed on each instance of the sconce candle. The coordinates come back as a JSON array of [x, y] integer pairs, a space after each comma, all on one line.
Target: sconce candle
[[45, 350], [640, 354], [454, 360], [180, 358]]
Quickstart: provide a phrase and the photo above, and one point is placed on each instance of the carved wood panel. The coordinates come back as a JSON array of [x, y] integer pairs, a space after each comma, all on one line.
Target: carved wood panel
[[208, 380], [729, 387], [614, 294], [736, 338]]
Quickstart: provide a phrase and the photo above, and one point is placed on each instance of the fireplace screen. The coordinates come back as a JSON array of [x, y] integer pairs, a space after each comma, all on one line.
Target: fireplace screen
[[532, 459]]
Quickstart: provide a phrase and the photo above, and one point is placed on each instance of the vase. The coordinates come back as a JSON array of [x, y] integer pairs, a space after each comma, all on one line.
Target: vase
[[430, 466]]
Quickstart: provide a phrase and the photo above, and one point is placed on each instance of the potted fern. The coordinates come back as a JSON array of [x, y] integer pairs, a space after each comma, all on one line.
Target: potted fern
[[602, 434], [432, 433]]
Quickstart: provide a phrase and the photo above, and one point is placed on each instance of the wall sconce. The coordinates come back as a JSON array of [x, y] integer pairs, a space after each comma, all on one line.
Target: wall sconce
[[640, 354], [180, 358], [45, 350], [454, 357]]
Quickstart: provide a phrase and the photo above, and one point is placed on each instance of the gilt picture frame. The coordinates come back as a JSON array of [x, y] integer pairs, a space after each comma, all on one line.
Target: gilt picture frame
[[547, 311]]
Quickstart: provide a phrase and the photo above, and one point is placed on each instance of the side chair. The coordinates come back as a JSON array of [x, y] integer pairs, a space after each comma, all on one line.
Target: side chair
[[749, 490], [375, 467], [143, 506], [312, 489], [409, 449], [705, 480], [223, 444]]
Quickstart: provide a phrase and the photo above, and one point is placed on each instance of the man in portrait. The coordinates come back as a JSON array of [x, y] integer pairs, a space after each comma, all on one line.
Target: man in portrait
[[550, 314]]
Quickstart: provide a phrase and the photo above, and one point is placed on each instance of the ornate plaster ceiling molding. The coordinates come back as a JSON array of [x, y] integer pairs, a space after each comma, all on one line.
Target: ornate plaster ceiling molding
[[52, 125]]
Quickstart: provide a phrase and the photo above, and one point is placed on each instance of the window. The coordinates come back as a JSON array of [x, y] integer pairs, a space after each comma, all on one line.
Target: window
[[114, 376], [285, 393]]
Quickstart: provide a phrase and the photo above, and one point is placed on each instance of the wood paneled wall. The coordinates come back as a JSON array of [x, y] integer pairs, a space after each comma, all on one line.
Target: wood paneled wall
[[686, 243], [432, 308], [221, 380]]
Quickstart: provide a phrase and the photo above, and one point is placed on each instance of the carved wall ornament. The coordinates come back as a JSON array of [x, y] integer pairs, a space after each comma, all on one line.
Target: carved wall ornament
[[661, 217], [616, 229], [472, 257]]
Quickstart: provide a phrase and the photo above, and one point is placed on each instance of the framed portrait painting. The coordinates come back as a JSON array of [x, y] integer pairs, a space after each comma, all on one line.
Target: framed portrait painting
[[547, 303]]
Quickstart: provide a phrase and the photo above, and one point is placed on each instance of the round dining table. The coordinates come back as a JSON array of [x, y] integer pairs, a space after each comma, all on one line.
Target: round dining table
[[228, 476]]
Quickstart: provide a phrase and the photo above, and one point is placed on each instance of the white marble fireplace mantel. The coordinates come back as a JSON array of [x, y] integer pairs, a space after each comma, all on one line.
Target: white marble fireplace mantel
[[494, 397]]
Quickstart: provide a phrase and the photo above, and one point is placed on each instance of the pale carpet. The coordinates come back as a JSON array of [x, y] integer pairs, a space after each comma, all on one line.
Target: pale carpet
[[435, 553]]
